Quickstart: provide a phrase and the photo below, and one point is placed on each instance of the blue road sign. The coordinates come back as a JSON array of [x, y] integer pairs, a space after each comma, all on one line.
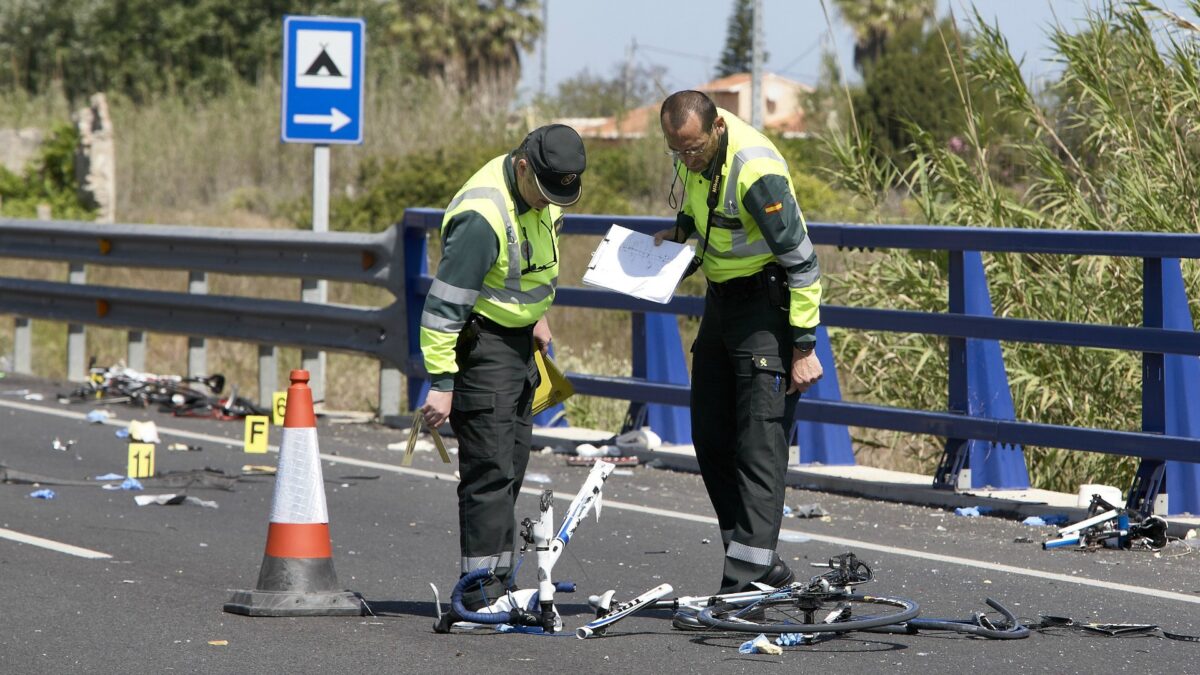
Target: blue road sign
[[323, 61]]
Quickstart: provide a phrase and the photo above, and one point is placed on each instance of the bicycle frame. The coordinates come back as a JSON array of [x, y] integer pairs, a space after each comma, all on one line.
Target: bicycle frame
[[549, 550], [515, 606]]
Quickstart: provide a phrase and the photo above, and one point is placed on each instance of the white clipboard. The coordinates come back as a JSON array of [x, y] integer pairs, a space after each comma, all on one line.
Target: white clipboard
[[628, 262]]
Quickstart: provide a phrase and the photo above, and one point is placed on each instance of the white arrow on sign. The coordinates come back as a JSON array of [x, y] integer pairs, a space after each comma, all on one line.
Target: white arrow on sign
[[336, 119]]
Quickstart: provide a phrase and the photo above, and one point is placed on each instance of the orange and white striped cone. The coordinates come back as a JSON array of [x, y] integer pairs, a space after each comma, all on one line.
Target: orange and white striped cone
[[297, 577]]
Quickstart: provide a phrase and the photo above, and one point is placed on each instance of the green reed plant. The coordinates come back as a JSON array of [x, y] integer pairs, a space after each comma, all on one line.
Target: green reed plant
[[1113, 145]]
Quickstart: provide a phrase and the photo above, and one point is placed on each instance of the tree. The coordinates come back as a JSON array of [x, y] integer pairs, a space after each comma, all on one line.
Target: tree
[[738, 56], [588, 95], [910, 83], [468, 45], [145, 47], [875, 21]]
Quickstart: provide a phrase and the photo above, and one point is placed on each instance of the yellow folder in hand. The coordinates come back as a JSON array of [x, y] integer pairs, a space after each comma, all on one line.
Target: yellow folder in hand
[[554, 387]]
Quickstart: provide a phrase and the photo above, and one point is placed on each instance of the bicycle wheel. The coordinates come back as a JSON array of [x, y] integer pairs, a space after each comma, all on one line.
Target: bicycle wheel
[[979, 625], [836, 613]]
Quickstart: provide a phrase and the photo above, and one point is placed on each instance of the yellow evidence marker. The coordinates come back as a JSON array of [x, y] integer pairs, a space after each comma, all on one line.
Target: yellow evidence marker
[[141, 460], [418, 422], [278, 407], [256, 433], [554, 387]]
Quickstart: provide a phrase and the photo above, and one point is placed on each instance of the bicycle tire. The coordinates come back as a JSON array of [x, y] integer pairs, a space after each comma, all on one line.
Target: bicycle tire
[[780, 614], [1012, 630]]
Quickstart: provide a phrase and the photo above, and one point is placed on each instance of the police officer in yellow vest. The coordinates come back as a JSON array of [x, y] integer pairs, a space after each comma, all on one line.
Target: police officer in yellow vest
[[754, 351], [483, 317]]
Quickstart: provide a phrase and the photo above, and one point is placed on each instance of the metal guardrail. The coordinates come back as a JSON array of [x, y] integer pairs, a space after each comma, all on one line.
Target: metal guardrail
[[395, 260], [1152, 445], [373, 259]]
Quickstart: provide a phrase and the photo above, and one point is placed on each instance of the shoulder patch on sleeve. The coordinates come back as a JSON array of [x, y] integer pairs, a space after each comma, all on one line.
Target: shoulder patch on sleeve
[[772, 208]]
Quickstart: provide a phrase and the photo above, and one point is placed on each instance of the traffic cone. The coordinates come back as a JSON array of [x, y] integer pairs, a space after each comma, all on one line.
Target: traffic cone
[[297, 577]]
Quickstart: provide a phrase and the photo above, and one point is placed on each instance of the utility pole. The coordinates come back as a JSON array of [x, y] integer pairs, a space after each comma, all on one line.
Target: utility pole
[[627, 79], [756, 90], [545, 43]]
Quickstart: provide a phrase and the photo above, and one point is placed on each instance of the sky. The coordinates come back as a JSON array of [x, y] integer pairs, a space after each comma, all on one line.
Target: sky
[[686, 36]]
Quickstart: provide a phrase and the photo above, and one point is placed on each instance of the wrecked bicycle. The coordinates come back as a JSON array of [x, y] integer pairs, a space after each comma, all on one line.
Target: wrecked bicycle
[[827, 604]]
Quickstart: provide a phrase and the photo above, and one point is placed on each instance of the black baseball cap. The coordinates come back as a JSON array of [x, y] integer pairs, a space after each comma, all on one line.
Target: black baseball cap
[[555, 153]]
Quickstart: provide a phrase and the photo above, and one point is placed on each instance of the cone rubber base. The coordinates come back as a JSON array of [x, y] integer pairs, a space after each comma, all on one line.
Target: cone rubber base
[[292, 603]]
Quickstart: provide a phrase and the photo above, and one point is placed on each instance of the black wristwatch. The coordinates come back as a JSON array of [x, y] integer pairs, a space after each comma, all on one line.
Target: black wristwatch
[[806, 348]]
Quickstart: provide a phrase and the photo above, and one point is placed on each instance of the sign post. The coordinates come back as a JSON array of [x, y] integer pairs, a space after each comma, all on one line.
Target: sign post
[[323, 64]]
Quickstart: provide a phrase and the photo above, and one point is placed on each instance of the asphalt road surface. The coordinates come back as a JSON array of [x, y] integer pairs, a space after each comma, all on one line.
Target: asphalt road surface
[[153, 600]]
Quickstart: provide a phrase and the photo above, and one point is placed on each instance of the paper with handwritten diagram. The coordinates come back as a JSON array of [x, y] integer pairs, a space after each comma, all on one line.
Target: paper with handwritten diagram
[[628, 262]]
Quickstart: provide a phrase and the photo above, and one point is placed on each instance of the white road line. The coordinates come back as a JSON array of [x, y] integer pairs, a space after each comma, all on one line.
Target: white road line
[[52, 545], [678, 515]]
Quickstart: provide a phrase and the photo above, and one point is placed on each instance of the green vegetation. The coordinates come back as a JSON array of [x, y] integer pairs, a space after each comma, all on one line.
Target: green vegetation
[[49, 179], [1115, 150], [198, 48], [738, 55], [942, 130]]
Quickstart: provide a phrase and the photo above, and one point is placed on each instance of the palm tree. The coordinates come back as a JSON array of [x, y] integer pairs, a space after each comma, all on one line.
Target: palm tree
[[874, 21], [468, 44]]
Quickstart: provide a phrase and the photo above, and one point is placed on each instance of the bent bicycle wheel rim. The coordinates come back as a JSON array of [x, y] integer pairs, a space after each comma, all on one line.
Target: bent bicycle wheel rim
[[781, 615]]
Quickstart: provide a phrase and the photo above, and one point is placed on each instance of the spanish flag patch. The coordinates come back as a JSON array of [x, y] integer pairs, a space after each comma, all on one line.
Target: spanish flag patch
[[774, 207]]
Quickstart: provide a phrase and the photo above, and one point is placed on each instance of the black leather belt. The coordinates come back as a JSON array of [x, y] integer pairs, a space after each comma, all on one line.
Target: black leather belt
[[739, 287], [490, 326]]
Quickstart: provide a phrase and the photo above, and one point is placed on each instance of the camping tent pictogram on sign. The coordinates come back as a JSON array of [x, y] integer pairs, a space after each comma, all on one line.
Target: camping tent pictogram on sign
[[325, 59], [325, 63]]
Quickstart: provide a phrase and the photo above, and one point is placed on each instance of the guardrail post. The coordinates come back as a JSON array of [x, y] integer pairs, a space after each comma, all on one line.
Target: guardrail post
[[821, 443], [390, 386], [954, 472], [1144, 494], [988, 394], [268, 374], [23, 327], [76, 333], [658, 334], [22, 346], [135, 350], [416, 265], [1183, 394], [1170, 397], [197, 363], [979, 387]]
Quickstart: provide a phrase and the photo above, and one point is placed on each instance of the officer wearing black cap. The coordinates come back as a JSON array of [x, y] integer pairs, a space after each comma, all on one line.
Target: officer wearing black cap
[[483, 317]]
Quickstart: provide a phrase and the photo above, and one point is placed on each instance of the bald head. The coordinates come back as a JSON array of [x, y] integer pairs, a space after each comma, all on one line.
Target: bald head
[[683, 104]]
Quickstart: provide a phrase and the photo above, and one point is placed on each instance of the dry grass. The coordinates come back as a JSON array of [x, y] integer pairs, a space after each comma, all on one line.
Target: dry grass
[[220, 163]]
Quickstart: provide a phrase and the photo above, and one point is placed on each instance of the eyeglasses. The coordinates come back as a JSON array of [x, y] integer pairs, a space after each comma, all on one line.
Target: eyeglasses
[[527, 250], [688, 154]]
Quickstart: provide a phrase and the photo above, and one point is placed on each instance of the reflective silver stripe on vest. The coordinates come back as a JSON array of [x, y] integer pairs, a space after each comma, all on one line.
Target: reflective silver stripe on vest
[[515, 296], [440, 323], [740, 248], [453, 294], [797, 255], [803, 279], [491, 562], [513, 280], [731, 181], [754, 556]]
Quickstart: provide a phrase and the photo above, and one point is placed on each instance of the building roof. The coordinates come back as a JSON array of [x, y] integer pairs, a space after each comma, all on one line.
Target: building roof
[[636, 123]]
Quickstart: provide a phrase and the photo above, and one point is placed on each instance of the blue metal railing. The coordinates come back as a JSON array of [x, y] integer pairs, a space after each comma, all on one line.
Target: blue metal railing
[[1153, 444]]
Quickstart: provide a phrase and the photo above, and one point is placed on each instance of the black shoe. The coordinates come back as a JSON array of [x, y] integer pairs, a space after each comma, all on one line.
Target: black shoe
[[779, 575]]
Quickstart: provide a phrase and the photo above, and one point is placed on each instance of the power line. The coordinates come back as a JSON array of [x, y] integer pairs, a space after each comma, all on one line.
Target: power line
[[816, 43]]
